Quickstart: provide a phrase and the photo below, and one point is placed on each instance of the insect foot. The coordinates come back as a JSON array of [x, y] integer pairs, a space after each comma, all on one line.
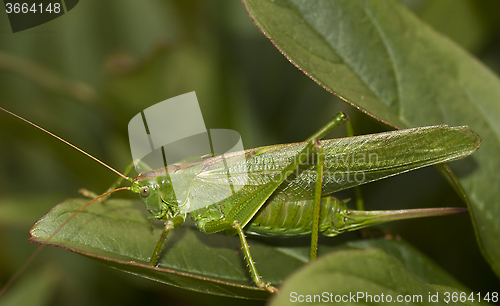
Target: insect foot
[[271, 289], [266, 286]]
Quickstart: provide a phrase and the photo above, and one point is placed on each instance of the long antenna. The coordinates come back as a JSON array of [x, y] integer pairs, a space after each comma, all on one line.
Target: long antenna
[[68, 143]]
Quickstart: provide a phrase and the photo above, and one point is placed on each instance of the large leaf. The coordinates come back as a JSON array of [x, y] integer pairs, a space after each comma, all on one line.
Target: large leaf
[[386, 62], [415, 262], [339, 276], [118, 234]]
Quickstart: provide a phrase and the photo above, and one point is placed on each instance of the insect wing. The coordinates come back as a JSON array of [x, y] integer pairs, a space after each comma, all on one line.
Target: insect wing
[[349, 162], [377, 156]]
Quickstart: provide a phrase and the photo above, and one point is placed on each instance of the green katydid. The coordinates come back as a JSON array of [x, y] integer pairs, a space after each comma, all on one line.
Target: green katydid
[[285, 190]]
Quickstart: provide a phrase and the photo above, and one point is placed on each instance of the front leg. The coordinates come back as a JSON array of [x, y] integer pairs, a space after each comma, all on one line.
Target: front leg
[[170, 224], [93, 195]]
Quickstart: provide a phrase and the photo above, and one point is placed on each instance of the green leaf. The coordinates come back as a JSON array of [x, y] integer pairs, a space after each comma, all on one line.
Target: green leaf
[[389, 64], [118, 234], [361, 277], [472, 24], [415, 262]]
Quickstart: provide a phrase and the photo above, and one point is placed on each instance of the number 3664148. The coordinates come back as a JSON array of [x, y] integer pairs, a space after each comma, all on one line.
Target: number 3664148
[[26, 8]]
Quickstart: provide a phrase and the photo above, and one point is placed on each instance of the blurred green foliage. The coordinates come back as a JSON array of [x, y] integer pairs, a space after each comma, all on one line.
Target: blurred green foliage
[[84, 75]]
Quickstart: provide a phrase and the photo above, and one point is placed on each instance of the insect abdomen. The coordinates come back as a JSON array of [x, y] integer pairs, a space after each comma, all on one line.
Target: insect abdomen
[[279, 218]]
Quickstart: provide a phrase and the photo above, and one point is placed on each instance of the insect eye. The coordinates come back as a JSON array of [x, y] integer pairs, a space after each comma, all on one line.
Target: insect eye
[[144, 191]]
